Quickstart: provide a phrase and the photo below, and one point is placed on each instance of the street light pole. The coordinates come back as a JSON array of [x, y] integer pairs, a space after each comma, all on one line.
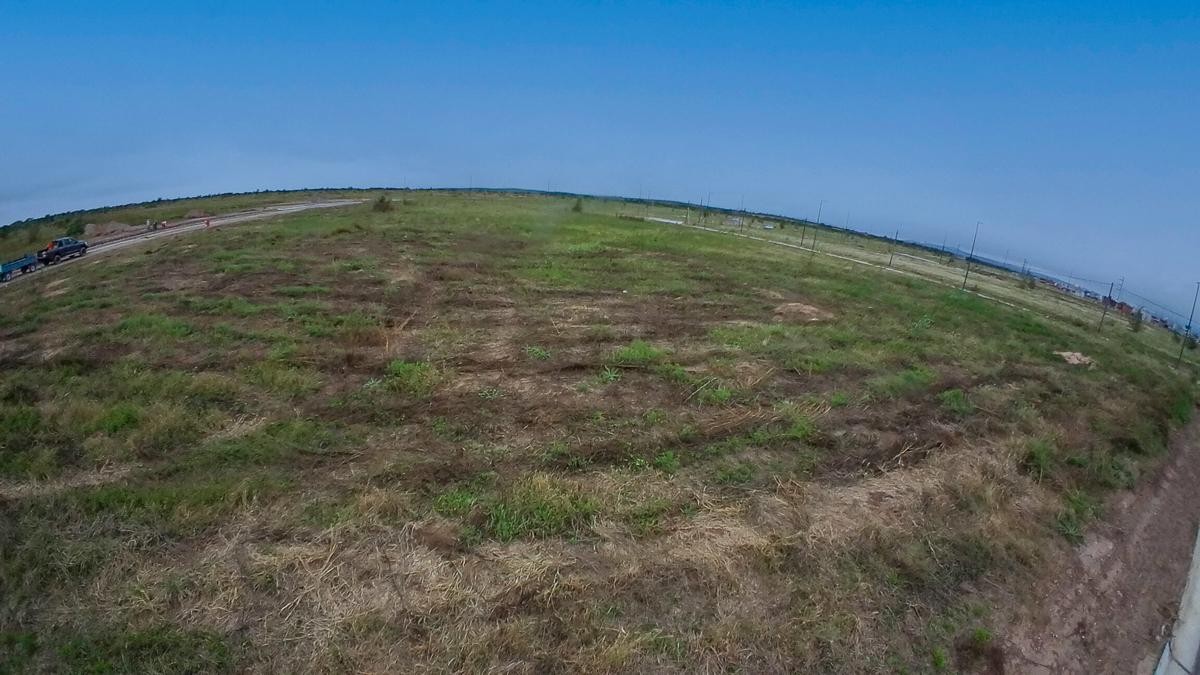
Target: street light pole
[[1188, 331], [973, 240]]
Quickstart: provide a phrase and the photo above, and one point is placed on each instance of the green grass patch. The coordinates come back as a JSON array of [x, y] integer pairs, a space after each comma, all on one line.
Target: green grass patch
[[163, 649], [274, 443], [119, 418], [416, 379], [302, 291], [457, 501], [152, 326], [637, 354], [736, 473], [537, 353], [1040, 459], [904, 383], [666, 461], [1078, 510], [955, 402], [539, 507]]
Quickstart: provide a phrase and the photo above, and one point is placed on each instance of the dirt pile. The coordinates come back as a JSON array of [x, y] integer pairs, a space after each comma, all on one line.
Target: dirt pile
[[798, 312]]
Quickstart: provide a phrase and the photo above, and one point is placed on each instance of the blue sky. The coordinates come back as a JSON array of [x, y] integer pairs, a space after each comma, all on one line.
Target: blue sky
[[1072, 130]]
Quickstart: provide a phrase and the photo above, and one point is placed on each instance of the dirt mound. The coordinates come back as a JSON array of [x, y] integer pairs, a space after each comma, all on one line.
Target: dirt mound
[[1077, 359], [798, 312], [98, 230]]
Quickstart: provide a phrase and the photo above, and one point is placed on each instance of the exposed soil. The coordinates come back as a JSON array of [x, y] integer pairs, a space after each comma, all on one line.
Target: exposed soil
[[798, 312], [1107, 606]]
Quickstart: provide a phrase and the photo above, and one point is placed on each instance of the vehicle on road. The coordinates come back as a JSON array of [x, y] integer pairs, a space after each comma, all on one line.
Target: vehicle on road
[[61, 248], [28, 263]]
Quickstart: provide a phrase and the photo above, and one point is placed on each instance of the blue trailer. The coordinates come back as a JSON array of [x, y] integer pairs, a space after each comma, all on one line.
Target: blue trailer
[[22, 265]]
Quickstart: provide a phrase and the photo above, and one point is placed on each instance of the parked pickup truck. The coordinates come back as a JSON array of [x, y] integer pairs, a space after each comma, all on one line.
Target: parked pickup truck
[[22, 265], [61, 248]]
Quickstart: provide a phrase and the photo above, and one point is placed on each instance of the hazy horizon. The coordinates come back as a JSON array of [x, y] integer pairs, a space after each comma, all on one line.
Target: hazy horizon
[[1067, 129]]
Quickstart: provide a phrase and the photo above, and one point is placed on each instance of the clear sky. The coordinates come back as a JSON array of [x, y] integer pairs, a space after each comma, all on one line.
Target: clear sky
[[1072, 130]]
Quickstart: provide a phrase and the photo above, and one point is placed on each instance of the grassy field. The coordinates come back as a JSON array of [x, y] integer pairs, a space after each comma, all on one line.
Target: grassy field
[[485, 431]]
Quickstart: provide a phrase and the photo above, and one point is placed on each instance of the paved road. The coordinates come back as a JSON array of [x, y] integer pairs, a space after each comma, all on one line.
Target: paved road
[[190, 225]]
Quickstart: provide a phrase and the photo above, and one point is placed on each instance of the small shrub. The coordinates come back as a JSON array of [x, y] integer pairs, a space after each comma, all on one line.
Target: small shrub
[[382, 205], [1183, 406], [637, 463], [903, 383], [413, 378], [19, 425], [457, 501], [491, 393], [577, 207], [537, 353], [955, 402], [637, 354], [556, 451], [609, 375], [646, 518], [654, 417], [1079, 509], [1039, 459], [666, 461], [734, 474], [715, 396], [839, 400], [921, 325], [118, 418], [938, 660]]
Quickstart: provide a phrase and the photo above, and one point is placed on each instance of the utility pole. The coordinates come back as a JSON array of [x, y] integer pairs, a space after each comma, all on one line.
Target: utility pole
[[1107, 301], [1187, 332], [804, 227], [973, 240], [894, 240]]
